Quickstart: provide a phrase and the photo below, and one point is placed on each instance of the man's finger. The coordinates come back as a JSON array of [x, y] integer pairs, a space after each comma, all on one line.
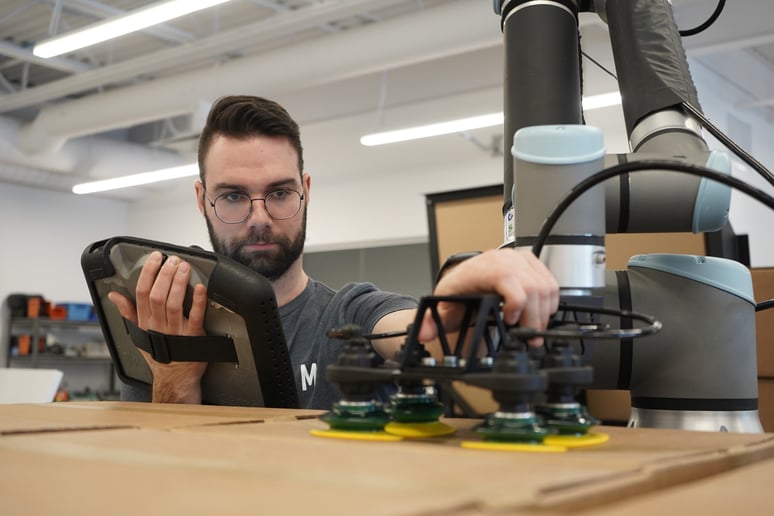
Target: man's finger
[[428, 331], [125, 306], [198, 308], [176, 298], [159, 294], [144, 285]]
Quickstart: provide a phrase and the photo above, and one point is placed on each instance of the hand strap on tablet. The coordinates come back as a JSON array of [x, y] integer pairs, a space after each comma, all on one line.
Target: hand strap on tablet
[[182, 348]]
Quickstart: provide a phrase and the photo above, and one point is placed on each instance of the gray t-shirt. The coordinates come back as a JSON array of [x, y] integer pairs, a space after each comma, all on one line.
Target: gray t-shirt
[[305, 321]]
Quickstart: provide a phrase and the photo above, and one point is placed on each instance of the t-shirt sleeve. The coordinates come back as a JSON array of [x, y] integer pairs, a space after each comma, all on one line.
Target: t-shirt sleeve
[[364, 304], [134, 393]]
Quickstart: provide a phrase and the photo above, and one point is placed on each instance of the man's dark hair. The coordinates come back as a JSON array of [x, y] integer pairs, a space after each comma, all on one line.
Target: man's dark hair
[[246, 116]]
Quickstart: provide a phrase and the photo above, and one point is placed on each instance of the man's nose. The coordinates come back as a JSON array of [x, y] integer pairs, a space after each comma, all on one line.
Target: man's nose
[[258, 214]]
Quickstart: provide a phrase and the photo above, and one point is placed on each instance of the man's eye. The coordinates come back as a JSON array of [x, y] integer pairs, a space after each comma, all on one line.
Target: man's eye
[[234, 197], [280, 194]]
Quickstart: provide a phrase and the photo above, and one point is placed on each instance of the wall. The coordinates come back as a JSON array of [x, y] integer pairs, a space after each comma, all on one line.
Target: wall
[[43, 234], [404, 269], [750, 129]]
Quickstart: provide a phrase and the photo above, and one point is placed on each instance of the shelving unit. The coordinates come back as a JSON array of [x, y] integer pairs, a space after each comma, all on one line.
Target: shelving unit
[[75, 347]]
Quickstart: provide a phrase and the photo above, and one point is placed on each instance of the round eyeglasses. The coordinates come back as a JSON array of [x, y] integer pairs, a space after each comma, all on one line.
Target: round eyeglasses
[[236, 207]]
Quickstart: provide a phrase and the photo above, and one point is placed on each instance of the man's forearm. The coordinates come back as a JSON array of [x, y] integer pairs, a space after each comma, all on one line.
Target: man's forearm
[[170, 392], [178, 385]]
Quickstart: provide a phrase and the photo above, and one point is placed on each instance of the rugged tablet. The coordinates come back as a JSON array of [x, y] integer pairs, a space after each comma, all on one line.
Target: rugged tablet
[[249, 363]]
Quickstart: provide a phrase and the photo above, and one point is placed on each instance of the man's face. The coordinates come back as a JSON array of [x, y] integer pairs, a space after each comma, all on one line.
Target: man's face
[[255, 167]]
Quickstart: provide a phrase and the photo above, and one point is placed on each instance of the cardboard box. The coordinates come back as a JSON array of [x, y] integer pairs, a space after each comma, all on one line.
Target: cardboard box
[[172, 459], [763, 289], [619, 247], [609, 406], [766, 403]]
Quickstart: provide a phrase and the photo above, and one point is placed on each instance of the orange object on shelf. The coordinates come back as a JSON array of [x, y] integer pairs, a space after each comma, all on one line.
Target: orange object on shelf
[[24, 344], [38, 306], [33, 306], [58, 312]]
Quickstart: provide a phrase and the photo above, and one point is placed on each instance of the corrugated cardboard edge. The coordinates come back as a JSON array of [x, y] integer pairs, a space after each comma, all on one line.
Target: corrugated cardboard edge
[[650, 477], [97, 415]]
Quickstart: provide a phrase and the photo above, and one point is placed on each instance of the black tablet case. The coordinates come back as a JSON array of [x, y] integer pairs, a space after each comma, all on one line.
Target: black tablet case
[[241, 306]]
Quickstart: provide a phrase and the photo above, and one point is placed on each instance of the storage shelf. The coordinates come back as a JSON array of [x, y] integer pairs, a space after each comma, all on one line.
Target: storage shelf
[[43, 357], [32, 324], [73, 338]]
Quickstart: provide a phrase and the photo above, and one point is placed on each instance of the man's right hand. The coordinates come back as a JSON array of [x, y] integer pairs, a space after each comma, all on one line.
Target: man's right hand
[[530, 292], [159, 295]]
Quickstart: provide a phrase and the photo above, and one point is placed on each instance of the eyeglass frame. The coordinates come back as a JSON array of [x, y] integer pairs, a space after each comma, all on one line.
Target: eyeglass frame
[[301, 198]]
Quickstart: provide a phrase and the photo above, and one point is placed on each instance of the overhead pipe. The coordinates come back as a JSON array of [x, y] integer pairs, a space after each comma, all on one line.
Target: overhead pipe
[[78, 160], [430, 34], [220, 43], [61, 64]]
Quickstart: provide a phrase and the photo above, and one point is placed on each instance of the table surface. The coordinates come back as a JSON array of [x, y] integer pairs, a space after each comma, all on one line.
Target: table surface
[[139, 458]]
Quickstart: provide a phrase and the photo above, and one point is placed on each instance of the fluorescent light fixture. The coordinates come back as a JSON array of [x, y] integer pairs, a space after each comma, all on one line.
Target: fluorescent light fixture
[[120, 25], [425, 131], [137, 179], [467, 124]]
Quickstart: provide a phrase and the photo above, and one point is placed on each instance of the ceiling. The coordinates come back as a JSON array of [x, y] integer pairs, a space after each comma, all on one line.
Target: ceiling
[[342, 68]]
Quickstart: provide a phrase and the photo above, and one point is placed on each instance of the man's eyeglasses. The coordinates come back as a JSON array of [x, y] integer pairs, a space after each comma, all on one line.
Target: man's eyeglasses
[[236, 207]]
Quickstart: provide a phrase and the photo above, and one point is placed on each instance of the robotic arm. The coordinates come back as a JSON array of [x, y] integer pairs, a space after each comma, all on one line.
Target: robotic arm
[[656, 83], [696, 368], [699, 372], [543, 90]]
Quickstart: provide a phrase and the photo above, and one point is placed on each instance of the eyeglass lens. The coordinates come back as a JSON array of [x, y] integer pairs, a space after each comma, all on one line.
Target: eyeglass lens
[[236, 207]]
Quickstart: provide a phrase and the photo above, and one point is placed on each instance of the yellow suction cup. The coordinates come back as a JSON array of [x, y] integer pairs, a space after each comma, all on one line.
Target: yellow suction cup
[[419, 430], [355, 436], [510, 446], [579, 441]]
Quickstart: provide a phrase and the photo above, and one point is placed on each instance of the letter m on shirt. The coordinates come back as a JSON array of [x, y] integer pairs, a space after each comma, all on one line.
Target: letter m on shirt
[[308, 376]]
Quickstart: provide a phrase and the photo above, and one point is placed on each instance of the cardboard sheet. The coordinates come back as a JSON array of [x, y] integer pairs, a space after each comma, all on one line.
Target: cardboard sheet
[[740, 491], [172, 459], [53, 417]]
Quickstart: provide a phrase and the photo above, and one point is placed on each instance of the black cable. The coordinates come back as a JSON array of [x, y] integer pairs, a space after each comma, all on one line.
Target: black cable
[[599, 65], [764, 305], [386, 335], [714, 131], [701, 28], [709, 126], [585, 330], [728, 142], [638, 166]]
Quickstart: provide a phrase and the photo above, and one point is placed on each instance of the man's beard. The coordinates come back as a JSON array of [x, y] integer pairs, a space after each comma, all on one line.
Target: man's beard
[[270, 264]]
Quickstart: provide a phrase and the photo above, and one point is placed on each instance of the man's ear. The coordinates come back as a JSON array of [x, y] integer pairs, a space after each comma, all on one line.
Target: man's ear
[[199, 190], [306, 182]]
